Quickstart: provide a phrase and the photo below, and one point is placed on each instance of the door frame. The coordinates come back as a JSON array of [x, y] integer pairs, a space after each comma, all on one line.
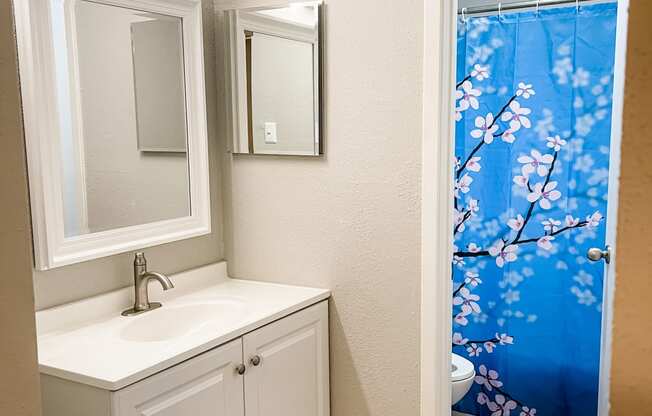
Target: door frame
[[610, 275], [439, 67], [438, 128]]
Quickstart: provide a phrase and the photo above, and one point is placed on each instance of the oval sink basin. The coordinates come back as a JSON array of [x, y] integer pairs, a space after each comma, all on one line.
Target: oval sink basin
[[174, 321]]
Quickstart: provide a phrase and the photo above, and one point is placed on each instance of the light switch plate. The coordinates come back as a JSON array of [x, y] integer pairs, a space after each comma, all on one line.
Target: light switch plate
[[270, 133]]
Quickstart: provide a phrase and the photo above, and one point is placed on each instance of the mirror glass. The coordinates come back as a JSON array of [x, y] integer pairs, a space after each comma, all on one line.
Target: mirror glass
[[279, 80], [124, 156]]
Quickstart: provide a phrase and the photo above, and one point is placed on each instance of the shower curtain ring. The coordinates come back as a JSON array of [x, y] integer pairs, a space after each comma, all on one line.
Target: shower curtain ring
[[500, 11], [464, 14], [577, 5], [538, 4]]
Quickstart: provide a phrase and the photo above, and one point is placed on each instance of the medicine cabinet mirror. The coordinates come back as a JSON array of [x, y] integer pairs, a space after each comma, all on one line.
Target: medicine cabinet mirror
[[115, 125], [274, 57]]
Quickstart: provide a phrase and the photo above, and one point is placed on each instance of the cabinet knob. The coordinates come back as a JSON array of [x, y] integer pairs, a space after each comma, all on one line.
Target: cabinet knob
[[240, 369], [255, 360]]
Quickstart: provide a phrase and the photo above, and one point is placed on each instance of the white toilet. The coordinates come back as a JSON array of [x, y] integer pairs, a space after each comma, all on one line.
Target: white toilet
[[462, 374]]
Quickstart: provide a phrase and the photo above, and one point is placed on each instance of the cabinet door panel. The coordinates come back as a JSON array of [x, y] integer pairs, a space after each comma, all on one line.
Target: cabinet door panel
[[292, 376], [207, 385]]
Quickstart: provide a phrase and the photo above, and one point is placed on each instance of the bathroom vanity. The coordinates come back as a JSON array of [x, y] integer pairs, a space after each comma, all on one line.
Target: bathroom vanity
[[113, 94], [217, 346]]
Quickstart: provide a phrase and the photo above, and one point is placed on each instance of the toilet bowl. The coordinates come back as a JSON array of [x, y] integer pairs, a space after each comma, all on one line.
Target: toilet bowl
[[462, 374]]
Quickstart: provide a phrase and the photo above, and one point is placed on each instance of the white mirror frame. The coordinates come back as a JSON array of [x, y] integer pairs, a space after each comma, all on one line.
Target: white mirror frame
[[236, 87], [43, 135]]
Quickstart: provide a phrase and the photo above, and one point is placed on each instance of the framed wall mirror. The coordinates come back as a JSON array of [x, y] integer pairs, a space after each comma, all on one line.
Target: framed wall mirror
[[274, 60], [115, 125]]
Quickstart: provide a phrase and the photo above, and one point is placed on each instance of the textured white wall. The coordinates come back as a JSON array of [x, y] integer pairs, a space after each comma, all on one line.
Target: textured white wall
[[349, 221]]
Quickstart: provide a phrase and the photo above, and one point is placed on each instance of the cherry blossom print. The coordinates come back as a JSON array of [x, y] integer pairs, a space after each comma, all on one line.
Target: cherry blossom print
[[535, 155], [517, 116], [525, 90], [516, 223], [502, 406], [556, 143], [593, 220], [487, 378], [551, 225], [535, 163], [463, 185], [545, 242], [504, 339], [458, 219], [467, 96], [474, 350], [508, 136], [485, 128], [581, 78], [480, 72], [458, 339], [503, 254], [584, 297], [472, 279], [521, 181], [474, 164], [473, 206], [544, 194], [461, 319], [473, 248], [467, 302], [571, 221]]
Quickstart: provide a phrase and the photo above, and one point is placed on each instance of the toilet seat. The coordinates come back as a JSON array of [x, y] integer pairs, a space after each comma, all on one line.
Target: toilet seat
[[461, 368]]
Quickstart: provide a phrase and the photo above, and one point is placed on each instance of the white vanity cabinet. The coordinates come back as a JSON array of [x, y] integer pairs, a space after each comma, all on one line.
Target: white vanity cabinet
[[205, 385], [285, 374]]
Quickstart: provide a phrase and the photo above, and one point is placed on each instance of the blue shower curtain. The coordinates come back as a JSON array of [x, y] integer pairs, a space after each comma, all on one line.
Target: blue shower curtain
[[533, 110]]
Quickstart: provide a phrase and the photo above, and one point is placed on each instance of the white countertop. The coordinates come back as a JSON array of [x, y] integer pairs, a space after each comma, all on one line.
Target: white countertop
[[91, 343]]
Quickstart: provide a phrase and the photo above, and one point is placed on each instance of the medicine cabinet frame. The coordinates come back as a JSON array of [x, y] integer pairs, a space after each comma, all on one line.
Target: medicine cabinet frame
[[237, 95], [43, 133]]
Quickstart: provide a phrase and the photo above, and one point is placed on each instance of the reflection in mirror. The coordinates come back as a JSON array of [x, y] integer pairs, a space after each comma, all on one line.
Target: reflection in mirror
[[277, 65], [127, 165]]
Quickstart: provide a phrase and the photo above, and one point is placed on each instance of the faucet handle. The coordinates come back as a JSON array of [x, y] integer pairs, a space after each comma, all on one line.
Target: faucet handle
[[140, 260]]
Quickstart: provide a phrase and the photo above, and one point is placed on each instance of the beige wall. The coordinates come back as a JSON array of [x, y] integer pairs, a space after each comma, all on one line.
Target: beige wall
[[632, 336], [350, 221], [93, 277], [19, 388]]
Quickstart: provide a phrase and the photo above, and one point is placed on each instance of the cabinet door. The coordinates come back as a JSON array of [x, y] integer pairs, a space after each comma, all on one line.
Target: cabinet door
[[207, 385], [291, 378]]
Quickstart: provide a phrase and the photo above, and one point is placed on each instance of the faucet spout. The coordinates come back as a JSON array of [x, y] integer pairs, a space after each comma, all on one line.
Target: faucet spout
[[141, 281], [162, 279]]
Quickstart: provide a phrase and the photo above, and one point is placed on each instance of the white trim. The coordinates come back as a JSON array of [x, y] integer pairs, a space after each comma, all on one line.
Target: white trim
[[612, 207], [222, 5], [42, 132], [439, 57]]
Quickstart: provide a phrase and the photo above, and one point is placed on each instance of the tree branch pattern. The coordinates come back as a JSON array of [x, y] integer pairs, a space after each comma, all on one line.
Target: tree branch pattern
[[536, 171]]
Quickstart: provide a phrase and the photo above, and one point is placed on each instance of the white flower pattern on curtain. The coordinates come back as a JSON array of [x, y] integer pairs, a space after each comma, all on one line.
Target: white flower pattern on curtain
[[533, 113]]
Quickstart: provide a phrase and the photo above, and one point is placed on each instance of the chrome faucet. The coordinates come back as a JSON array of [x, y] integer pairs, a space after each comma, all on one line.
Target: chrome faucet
[[141, 279]]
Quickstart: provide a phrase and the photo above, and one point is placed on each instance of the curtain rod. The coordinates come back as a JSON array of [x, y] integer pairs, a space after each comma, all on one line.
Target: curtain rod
[[528, 4]]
